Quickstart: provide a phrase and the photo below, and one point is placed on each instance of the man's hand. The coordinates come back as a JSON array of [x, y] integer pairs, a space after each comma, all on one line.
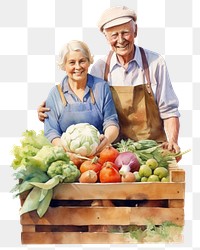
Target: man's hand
[[171, 126], [41, 111], [173, 147]]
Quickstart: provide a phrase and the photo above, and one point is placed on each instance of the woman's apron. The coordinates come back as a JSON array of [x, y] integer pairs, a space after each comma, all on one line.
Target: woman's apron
[[138, 112], [80, 112]]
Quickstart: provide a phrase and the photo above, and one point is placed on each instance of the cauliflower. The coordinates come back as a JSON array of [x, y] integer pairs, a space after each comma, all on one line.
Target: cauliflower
[[67, 170], [81, 138]]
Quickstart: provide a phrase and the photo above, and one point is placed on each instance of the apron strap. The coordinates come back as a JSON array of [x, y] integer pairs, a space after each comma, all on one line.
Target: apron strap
[[61, 94], [64, 101], [146, 70], [107, 67], [92, 96]]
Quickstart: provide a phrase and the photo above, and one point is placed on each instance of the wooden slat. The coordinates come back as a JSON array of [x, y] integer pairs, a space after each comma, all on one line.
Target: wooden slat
[[51, 238], [28, 228], [155, 215], [135, 191], [80, 216], [105, 216], [80, 238], [75, 238], [176, 203]]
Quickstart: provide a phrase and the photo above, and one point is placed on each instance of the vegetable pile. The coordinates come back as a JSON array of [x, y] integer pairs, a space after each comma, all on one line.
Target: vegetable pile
[[148, 149], [150, 161], [40, 166]]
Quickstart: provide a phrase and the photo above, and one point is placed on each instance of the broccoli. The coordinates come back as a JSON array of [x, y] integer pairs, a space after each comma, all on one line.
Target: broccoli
[[68, 171], [46, 155]]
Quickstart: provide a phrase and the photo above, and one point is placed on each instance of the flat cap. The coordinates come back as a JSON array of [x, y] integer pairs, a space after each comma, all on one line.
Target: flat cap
[[115, 16]]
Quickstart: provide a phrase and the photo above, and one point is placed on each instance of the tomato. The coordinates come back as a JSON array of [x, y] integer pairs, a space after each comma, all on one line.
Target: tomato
[[90, 165], [108, 154], [109, 174]]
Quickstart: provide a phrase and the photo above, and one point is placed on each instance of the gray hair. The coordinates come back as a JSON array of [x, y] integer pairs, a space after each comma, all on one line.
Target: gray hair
[[73, 45]]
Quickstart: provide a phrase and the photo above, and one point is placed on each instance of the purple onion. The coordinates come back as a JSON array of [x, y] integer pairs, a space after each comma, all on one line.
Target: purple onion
[[127, 162]]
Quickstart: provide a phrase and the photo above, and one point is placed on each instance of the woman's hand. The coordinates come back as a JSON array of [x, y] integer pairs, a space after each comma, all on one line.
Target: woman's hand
[[106, 139], [41, 111], [103, 143]]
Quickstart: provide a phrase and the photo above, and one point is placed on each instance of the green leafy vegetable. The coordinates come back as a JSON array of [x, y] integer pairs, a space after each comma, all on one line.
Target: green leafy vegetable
[[132, 146], [40, 196], [31, 143], [27, 175], [44, 203], [31, 173], [51, 183], [30, 137], [32, 201]]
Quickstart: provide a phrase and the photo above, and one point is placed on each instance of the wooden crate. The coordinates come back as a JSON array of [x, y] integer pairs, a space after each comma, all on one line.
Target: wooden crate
[[71, 224]]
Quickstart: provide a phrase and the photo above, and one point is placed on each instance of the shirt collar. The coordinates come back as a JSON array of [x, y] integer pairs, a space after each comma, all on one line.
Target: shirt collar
[[66, 88], [137, 58]]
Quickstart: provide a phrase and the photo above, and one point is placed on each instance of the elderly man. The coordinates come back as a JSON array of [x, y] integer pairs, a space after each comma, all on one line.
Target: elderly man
[[145, 100]]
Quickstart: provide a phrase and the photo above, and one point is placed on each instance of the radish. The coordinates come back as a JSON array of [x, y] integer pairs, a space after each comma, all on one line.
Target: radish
[[127, 162]]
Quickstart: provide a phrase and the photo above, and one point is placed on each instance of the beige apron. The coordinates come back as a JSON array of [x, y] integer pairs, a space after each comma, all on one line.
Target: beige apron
[[138, 112]]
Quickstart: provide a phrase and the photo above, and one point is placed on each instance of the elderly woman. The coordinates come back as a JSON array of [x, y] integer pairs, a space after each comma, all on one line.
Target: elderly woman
[[80, 98]]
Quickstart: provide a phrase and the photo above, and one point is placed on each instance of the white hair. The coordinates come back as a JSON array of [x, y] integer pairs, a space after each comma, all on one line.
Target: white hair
[[73, 45]]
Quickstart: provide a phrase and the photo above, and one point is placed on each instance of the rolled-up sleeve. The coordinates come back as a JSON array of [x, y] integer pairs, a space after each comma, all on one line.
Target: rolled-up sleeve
[[52, 129], [166, 98], [109, 110]]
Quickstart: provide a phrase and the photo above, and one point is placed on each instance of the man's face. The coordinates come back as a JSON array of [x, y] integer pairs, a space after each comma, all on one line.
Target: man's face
[[121, 38]]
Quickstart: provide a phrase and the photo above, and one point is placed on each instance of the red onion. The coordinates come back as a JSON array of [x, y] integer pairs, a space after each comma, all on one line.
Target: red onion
[[127, 162]]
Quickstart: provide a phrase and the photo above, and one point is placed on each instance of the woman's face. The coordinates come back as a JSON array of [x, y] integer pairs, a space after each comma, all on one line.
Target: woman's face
[[76, 66]]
